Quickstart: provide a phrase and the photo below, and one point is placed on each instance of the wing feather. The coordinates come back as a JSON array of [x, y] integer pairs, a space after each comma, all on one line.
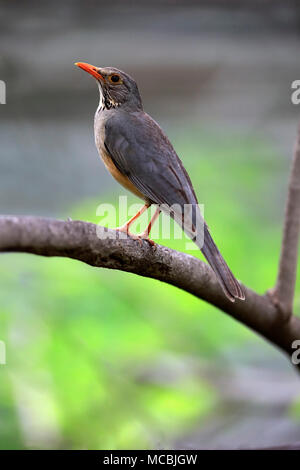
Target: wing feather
[[142, 152]]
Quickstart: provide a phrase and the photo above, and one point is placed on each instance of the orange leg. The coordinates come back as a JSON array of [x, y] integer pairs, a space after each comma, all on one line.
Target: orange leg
[[145, 234], [125, 227]]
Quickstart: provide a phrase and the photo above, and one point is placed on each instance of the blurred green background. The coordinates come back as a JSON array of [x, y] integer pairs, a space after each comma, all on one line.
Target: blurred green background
[[100, 359]]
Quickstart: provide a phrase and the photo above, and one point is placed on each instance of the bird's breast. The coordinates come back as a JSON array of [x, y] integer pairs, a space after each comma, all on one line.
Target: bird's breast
[[122, 179], [108, 161]]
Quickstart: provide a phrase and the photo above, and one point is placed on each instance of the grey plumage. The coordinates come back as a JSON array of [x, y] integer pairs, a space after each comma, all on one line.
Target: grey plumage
[[141, 152]]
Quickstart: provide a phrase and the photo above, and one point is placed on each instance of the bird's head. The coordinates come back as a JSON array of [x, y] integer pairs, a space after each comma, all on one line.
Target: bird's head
[[116, 87]]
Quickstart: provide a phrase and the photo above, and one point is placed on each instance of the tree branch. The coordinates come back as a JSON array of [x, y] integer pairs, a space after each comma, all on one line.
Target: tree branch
[[79, 240], [283, 293]]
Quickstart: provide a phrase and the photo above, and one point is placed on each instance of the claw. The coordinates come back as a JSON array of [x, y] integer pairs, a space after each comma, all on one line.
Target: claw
[[151, 242], [124, 229], [145, 236], [140, 237]]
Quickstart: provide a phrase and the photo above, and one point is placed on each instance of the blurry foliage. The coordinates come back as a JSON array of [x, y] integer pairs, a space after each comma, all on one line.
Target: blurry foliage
[[106, 359]]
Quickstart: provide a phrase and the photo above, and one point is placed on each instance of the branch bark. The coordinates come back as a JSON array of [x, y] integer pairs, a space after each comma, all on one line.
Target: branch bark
[[98, 247], [284, 291]]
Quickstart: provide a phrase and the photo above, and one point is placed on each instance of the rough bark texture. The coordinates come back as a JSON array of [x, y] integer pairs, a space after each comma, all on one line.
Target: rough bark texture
[[99, 247], [270, 315]]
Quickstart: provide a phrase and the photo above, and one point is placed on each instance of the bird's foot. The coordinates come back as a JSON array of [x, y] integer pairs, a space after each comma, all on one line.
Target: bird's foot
[[140, 237], [125, 229], [145, 236]]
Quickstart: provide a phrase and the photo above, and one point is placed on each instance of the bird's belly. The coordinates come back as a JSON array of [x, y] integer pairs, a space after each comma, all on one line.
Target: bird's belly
[[122, 179]]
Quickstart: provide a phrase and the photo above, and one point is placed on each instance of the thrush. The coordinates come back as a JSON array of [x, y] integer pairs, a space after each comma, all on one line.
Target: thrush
[[140, 157]]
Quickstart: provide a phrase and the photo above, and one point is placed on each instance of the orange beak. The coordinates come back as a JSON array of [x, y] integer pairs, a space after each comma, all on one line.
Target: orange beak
[[91, 69]]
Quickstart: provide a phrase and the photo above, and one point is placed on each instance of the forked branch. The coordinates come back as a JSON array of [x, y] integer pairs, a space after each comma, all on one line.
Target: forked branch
[[98, 247], [270, 315]]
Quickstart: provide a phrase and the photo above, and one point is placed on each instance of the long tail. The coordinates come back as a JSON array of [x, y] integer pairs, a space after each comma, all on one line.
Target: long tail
[[191, 219], [227, 280]]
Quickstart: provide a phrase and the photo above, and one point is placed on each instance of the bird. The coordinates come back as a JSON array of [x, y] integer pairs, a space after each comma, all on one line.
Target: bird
[[139, 155]]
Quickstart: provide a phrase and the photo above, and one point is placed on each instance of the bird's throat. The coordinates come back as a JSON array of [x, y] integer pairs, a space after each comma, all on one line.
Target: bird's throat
[[106, 101]]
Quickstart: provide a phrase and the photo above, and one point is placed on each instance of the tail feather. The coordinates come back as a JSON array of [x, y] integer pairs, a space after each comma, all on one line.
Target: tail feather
[[189, 223], [229, 283]]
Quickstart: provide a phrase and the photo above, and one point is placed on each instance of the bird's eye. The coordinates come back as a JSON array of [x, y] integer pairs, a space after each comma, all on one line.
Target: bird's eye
[[114, 78]]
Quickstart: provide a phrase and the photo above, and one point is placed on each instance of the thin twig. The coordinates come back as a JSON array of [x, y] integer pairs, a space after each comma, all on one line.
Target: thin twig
[[284, 291]]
